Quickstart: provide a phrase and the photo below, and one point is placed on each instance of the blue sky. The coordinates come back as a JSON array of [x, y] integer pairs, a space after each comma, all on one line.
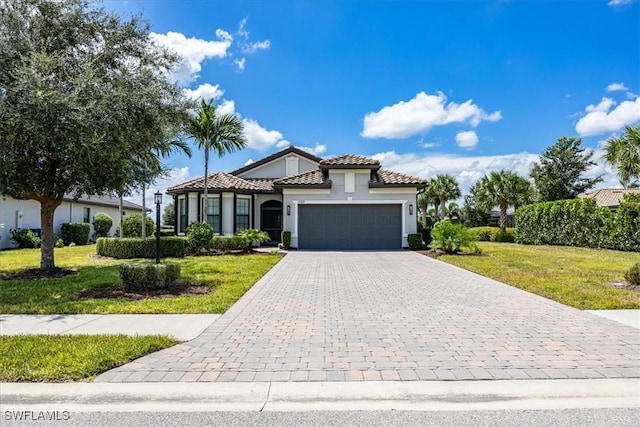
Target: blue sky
[[426, 87]]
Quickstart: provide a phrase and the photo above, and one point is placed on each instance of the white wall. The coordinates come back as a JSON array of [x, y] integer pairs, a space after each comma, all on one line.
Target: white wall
[[66, 212], [278, 168]]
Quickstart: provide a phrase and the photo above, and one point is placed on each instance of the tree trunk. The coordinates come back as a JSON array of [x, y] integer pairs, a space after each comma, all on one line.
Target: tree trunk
[[47, 209], [143, 231], [206, 185], [503, 217], [120, 219], [443, 208]]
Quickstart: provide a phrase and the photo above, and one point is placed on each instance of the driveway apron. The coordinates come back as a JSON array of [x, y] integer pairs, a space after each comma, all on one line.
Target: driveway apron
[[371, 316]]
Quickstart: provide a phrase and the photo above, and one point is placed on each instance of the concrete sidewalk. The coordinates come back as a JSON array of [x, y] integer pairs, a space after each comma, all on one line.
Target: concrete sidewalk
[[183, 327], [334, 396]]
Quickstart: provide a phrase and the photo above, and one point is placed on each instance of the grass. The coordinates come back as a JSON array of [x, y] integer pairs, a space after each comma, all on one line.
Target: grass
[[578, 277], [229, 275], [59, 358]]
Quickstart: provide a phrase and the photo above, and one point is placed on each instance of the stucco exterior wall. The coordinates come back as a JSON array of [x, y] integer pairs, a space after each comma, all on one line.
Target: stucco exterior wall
[[278, 168], [66, 212]]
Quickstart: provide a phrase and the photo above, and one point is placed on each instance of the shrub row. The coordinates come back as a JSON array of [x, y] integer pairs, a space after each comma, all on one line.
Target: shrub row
[[415, 241], [493, 234], [145, 276], [75, 232], [126, 248], [579, 222]]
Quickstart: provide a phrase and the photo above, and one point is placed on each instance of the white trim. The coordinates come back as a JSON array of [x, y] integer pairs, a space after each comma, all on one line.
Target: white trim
[[297, 191], [277, 159], [397, 190]]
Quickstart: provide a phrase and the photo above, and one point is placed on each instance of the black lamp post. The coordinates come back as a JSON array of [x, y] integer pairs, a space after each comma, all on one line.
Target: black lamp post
[[157, 197]]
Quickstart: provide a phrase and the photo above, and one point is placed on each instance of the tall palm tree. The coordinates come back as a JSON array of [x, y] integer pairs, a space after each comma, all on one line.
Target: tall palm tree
[[444, 187], [222, 133], [503, 189], [623, 153]]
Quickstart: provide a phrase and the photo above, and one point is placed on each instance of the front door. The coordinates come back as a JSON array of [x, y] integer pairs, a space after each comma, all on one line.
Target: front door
[[271, 219]]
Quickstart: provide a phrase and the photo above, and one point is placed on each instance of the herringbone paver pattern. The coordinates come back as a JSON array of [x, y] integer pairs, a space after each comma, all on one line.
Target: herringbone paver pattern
[[370, 316]]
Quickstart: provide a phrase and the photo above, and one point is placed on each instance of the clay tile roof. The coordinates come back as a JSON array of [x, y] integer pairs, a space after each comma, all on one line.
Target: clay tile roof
[[221, 181], [312, 178], [389, 178], [610, 197], [349, 160]]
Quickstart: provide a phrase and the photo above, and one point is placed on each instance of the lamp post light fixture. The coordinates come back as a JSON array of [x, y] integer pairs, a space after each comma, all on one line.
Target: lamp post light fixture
[[157, 197]]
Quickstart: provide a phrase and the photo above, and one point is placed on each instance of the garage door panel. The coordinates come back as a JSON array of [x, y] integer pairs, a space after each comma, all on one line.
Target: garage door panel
[[350, 227]]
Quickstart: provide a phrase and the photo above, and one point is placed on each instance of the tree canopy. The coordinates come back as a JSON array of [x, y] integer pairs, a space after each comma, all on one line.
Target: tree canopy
[[85, 107], [444, 187], [623, 153], [559, 174], [503, 189]]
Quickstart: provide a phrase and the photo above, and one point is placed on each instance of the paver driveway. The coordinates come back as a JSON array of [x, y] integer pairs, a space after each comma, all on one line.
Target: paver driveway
[[353, 316]]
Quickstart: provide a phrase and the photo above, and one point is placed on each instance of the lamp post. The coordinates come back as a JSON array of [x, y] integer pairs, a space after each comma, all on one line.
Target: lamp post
[[157, 197]]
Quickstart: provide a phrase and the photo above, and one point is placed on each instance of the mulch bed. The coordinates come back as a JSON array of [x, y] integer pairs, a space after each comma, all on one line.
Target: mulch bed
[[36, 274], [118, 291], [431, 254]]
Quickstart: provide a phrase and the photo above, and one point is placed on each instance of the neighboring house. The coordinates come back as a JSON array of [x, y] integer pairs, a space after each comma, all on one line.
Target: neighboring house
[[344, 202], [17, 214], [609, 197]]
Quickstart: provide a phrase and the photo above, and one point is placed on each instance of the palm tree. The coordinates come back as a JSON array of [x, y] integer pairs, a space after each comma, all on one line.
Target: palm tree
[[623, 153], [221, 133], [444, 187], [503, 189]]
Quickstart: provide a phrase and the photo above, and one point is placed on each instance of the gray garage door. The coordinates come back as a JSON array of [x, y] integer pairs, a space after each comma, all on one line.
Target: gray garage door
[[350, 227]]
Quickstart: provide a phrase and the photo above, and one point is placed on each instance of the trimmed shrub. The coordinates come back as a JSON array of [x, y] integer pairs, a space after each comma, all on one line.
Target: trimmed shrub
[[102, 224], [127, 248], [145, 276], [507, 237], [227, 243], [25, 238], [251, 236], [452, 237], [75, 232], [493, 234], [285, 239], [633, 274], [579, 222], [426, 235], [199, 235], [132, 226], [59, 243], [415, 241]]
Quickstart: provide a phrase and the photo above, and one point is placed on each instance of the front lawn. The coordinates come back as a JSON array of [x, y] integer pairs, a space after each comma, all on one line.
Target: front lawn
[[57, 358], [228, 276], [579, 277]]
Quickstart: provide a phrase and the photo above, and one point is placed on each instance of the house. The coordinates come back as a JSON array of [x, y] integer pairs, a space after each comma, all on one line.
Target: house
[[609, 197], [343, 202], [17, 214]]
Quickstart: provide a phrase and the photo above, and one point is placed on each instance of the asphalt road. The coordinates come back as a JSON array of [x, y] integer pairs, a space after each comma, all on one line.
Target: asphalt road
[[569, 417]]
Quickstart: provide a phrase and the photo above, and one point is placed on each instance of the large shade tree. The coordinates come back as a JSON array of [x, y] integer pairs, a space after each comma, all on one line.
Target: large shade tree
[[85, 107], [444, 187], [222, 133], [623, 153], [560, 173], [503, 189]]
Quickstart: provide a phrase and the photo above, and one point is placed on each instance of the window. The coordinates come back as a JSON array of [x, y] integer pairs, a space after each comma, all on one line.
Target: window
[[182, 213], [86, 217], [242, 214], [213, 213]]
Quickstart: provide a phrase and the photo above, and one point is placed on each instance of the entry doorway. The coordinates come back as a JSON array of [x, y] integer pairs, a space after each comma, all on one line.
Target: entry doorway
[[271, 219]]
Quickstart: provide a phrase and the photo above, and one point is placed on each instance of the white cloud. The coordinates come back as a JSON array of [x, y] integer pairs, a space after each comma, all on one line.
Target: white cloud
[[256, 46], [227, 107], [467, 139], [614, 3], [249, 162], [204, 91], [241, 63], [318, 150], [193, 51], [418, 115], [613, 87], [429, 144], [602, 118], [260, 138]]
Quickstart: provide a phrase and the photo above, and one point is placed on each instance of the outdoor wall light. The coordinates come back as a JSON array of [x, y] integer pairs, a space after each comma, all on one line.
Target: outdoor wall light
[[410, 209], [288, 210]]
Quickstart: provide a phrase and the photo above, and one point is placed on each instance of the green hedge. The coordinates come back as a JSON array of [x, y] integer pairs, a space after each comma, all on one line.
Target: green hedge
[[75, 232], [145, 276], [493, 234], [415, 241], [126, 248], [579, 222], [228, 243]]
